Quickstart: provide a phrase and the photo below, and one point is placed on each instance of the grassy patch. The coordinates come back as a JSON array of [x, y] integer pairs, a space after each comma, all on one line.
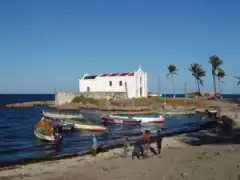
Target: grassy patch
[[85, 101], [151, 102]]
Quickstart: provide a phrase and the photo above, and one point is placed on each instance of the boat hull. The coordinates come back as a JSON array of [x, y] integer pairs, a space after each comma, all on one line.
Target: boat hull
[[86, 127], [61, 116], [143, 119], [51, 138], [67, 127], [82, 126], [110, 120]]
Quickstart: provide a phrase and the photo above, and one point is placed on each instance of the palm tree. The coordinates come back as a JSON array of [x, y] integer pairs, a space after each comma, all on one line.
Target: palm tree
[[238, 78], [215, 61], [197, 73], [193, 69], [172, 70], [220, 74]]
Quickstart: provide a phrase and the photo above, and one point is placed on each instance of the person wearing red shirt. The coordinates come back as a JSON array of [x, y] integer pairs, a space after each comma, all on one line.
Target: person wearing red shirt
[[146, 138]]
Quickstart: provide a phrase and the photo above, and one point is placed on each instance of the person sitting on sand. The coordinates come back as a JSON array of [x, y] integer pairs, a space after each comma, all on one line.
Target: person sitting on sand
[[94, 145], [126, 146], [159, 141], [136, 150]]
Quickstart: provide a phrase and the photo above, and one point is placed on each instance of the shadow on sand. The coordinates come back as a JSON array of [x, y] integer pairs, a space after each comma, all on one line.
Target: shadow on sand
[[223, 131]]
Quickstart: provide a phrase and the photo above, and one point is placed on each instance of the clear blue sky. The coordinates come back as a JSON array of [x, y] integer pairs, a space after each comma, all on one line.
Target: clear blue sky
[[49, 44]]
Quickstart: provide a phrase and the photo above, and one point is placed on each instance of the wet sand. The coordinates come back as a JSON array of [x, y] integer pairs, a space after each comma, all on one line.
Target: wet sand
[[178, 160]]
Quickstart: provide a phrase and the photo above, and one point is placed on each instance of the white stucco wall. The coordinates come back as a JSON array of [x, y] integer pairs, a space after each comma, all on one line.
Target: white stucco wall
[[101, 84]]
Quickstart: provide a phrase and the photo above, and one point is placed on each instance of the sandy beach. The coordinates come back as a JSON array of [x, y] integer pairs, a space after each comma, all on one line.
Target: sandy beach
[[215, 158]]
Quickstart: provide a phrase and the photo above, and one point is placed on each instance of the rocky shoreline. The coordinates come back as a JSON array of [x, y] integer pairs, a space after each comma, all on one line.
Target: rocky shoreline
[[30, 104]]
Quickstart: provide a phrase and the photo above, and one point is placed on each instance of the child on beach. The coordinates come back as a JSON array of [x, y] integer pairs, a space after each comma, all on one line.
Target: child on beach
[[126, 146], [146, 138], [94, 145], [136, 150], [159, 141]]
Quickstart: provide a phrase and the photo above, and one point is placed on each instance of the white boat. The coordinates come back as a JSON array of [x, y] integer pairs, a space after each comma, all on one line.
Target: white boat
[[51, 138], [143, 118], [58, 115], [86, 126]]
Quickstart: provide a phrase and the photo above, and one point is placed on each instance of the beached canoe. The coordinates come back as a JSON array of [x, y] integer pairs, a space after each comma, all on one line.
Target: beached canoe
[[143, 118], [61, 115], [180, 111], [109, 120]]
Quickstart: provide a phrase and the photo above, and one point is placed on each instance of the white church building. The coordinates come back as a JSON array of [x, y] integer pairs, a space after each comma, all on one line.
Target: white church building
[[134, 83]]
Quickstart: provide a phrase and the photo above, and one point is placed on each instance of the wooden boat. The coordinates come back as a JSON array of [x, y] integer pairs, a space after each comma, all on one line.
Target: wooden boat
[[61, 115], [51, 138], [44, 130], [143, 118], [67, 127], [86, 126], [172, 112], [109, 120]]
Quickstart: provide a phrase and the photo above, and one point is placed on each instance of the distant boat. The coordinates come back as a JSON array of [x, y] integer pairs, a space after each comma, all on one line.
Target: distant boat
[[172, 112], [143, 118], [62, 115], [109, 120]]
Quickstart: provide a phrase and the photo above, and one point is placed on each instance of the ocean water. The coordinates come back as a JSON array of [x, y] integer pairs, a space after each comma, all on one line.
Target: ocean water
[[19, 143]]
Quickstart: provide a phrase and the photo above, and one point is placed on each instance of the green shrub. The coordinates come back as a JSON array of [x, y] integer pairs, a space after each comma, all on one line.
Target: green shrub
[[83, 100]]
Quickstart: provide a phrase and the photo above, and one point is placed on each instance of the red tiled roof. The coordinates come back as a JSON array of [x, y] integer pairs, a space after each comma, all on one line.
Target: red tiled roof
[[114, 74], [117, 74], [103, 75]]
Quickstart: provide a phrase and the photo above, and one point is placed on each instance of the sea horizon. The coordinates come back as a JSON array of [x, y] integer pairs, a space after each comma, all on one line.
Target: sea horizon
[[77, 91]]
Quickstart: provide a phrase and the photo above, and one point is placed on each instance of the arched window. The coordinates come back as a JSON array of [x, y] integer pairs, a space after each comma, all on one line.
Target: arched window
[[88, 89], [110, 83], [120, 83]]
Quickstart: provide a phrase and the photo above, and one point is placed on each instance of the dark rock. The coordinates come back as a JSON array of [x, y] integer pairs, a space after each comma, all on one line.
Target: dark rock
[[105, 169], [184, 174]]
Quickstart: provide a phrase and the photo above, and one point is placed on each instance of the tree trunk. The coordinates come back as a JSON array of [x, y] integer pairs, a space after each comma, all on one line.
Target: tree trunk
[[219, 86], [173, 86], [198, 84], [214, 83]]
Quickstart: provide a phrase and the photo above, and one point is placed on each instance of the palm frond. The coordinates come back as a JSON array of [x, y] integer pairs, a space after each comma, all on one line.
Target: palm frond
[[201, 82], [172, 69], [215, 61], [221, 73]]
